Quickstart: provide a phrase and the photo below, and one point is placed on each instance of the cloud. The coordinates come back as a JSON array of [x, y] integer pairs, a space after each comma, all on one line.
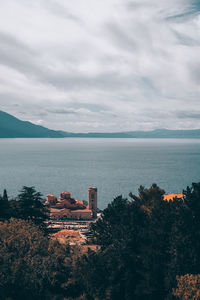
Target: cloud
[[101, 65], [62, 111], [189, 115], [55, 7]]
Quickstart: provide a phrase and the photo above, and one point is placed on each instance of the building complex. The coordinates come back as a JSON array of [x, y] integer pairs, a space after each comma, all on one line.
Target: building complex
[[66, 207]]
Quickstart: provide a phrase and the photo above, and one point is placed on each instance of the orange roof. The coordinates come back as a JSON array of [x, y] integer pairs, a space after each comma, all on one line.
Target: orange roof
[[68, 233], [169, 197], [92, 188], [85, 248], [79, 202], [65, 235], [81, 210], [58, 210]]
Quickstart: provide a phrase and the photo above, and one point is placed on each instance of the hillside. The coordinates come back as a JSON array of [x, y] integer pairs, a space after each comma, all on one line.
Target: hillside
[[11, 127], [158, 133]]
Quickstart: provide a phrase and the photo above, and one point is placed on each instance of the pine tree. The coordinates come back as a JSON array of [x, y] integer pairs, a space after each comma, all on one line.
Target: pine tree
[[5, 196], [30, 205], [4, 206]]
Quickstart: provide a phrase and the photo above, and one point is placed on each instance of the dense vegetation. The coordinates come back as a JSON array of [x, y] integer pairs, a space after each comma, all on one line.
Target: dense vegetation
[[150, 249], [28, 206], [32, 266]]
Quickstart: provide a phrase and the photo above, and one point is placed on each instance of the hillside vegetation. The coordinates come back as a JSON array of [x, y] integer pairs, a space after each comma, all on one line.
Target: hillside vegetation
[[149, 248]]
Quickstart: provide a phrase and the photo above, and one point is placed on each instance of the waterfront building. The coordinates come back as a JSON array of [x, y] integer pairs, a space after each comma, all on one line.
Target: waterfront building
[[66, 207], [168, 197]]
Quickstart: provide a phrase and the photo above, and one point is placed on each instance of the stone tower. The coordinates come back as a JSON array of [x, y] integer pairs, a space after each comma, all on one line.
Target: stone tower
[[92, 200]]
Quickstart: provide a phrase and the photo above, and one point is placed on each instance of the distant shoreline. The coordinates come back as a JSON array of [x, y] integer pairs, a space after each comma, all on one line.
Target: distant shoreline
[[12, 127], [104, 137], [45, 138]]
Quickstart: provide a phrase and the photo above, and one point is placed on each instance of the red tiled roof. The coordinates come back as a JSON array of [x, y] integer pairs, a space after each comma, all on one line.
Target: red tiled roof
[[81, 210], [168, 197]]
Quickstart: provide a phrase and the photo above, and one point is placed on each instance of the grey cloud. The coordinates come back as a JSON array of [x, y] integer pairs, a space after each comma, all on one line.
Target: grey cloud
[[62, 111], [195, 5], [186, 40], [38, 114], [8, 40], [81, 110], [9, 99], [195, 71], [106, 81], [135, 5], [189, 12], [17, 55], [59, 10], [180, 18], [91, 106], [124, 70], [189, 115], [120, 37]]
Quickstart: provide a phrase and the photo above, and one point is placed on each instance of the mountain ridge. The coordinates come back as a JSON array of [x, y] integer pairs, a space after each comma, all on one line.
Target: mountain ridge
[[12, 127]]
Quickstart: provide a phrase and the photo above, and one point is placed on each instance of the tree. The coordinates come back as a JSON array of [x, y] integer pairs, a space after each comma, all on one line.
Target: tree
[[149, 198], [5, 196], [4, 206], [32, 266], [145, 243], [116, 269], [192, 198], [30, 205], [184, 240]]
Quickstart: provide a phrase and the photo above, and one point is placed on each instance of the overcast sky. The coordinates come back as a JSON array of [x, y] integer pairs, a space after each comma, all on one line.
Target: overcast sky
[[101, 65]]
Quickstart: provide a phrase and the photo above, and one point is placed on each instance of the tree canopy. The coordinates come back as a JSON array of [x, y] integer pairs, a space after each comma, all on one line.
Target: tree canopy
[[28, 205], [149, 248], [32, 266], [145, 243]]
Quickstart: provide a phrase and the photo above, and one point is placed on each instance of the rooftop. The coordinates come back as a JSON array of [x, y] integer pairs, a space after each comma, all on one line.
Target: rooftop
[[169, 197]]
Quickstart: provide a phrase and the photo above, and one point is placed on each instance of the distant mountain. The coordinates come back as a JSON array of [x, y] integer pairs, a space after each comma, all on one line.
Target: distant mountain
[[158, 133], [11, 127]]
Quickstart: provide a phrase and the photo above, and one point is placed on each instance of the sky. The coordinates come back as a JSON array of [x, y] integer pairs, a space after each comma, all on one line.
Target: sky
[[101, 65]]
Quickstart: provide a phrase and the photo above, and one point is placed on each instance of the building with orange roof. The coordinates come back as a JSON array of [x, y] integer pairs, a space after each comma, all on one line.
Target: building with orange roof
[[169, 197], [66, 207]]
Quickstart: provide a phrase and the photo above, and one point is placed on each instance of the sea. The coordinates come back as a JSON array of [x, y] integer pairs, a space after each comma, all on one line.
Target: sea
[[115, 166]]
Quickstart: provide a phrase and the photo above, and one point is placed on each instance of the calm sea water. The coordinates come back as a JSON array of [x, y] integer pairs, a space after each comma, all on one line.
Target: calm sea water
[[115, 166]]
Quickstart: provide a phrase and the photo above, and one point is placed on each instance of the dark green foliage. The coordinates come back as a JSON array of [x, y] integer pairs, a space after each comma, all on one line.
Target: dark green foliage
[[192, 199], [4, 206], [115, 271], [30, 205], [145, 244], [185, 237], [5, 196], [32, 266]]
